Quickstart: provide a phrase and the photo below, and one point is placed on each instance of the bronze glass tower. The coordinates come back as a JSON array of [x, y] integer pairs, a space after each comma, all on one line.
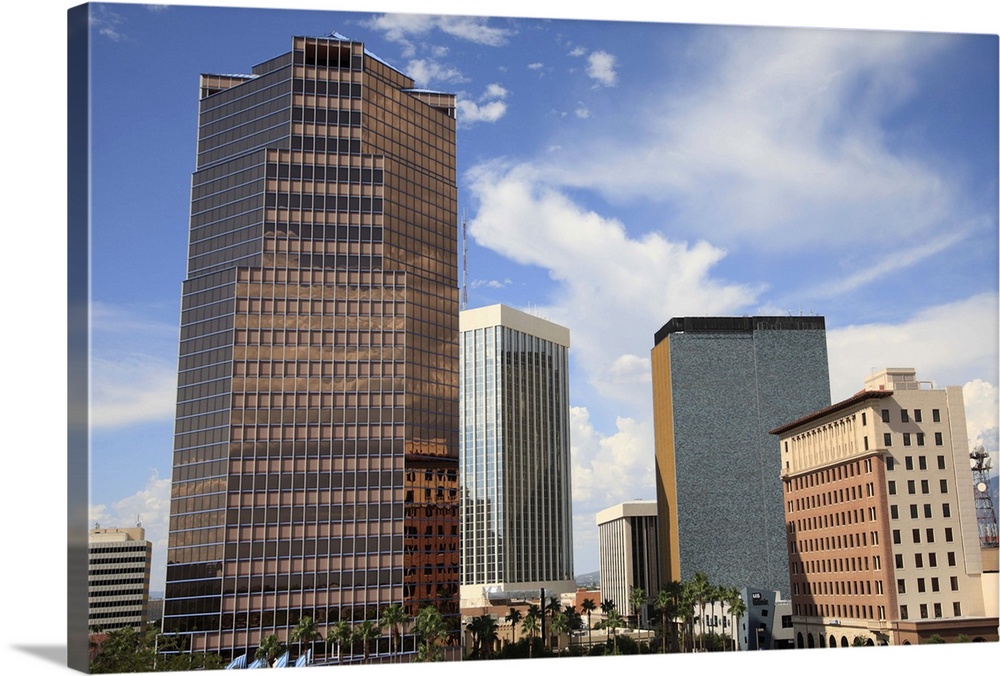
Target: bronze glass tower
[[316, 442]]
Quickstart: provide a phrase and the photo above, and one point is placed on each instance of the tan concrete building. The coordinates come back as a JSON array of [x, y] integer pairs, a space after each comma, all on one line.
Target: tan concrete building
[[118, 578], [629, 554], [881, 528]]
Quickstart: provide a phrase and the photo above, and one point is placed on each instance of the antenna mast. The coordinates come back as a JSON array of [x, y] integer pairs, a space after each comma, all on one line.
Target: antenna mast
[[463, 302]]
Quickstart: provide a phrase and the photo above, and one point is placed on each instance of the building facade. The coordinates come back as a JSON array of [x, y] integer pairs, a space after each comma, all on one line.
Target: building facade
[[118, 579], [629, 555], [880, 521], [517, 536], [719, 385], [315, 466]]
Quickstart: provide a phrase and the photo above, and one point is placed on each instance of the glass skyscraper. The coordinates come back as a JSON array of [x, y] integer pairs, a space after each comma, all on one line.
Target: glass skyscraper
[[315, 466], [515, 456]]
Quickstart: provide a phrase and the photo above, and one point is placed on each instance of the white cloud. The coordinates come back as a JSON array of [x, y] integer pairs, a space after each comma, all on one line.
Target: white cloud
[[491, 283], [582, 112], [577, 51], [425, 71], [601, 68], [608, 469], [949, 344], [398, 27], [982, 402], [130, 380], [490, 107], [534, 66], [106, 22], [151, 506]]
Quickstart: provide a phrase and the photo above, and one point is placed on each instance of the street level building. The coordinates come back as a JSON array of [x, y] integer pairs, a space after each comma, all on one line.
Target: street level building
[[880, 521], [118, 580], [516, 509], [629, 555], [719, 385], [315, 464]]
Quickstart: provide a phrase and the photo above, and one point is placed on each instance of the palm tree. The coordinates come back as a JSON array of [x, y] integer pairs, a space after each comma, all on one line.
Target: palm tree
[[393, 617], [366, 632], [686, 602], [589, 607], [612, 623], [430, 626], [560, 625], [554, 607], [637, 599], [529, 626], [484, 632], [305, 631], [269, 648], [699, 588], [513, 616], [737, 607], [341, 634], [662, 602]]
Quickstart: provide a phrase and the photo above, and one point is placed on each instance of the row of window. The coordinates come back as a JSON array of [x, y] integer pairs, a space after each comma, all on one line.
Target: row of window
[[908, 439], [922, 587], [904, 415], [915, 511], [929, 536], [925, 487], [918, 560], [956, 609]]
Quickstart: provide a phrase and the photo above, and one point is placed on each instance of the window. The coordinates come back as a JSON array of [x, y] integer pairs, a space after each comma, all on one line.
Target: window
[[887, 438], [786, 621], [923, 611], [954, 583], [866, 442], [922, 462], [903, 613], [896, 537], [906, 438], [921, 587], [927, 511], [948, 535], [936, 414], [920, 438], [925, 486], [938, 439], [934, 585], [916, 536], [864, 419], [904, 415], [911, 486], [909, 462], [913, 511], [916, 415], [951, 558], [901, 586], [944, 485], [899, 562], [956, 609], [893, 511], [890, 463], [946, 510], [932, 559], [940, 459], [885, 415], [937, 610], [892, 488], [930, 535], [918, 560]]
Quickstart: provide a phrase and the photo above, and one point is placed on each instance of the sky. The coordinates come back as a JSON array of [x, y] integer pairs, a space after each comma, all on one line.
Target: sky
[[613, 174]]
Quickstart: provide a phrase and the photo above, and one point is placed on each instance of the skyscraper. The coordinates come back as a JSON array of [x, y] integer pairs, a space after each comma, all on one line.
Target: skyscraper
[[629, 554], [118, 584], [517, 525], [315, 462], [719, 385], [881, 521]]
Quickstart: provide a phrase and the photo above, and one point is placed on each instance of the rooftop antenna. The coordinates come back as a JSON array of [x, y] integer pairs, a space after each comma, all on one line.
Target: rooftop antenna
[[463, 302]]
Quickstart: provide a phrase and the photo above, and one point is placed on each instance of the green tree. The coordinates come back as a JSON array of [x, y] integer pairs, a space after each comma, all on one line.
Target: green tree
[[269, 649], [430, 628], [393, 618], [935, 638], [589, 607], [737, 608], [340, 635], [306, 631], [560, 625], [514, 617], [484, 635], [699, 592], [366, 632], [613, 622], [637, 599], [529, 626]]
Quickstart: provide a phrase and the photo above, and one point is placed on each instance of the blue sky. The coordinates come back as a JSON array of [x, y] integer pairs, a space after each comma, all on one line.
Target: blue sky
[[874, 203], [613, 175]]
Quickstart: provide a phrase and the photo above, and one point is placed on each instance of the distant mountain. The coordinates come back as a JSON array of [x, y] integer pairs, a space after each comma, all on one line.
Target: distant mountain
[[588, 579]]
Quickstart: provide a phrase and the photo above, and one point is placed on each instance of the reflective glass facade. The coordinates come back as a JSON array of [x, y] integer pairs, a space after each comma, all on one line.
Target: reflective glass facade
[[515, 454], [316, 442]]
